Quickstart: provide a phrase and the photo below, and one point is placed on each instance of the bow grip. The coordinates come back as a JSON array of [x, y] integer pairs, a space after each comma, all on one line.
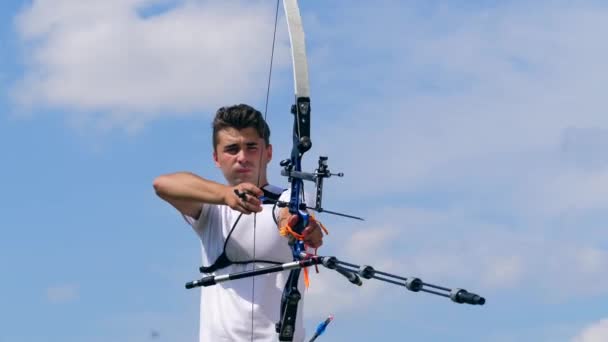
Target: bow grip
[[298, 228], [303, 220]]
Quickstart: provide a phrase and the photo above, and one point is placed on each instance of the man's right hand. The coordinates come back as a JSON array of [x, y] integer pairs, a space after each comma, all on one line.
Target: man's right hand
[[247, 204]]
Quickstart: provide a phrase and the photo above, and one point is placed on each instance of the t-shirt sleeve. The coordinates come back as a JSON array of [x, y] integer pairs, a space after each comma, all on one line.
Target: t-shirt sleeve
[[197, 223]]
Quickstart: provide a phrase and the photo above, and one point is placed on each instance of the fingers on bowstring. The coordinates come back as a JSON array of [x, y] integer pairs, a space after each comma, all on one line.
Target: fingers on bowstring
[[248, 202], [253, 204], [252, 190], [241, 194]]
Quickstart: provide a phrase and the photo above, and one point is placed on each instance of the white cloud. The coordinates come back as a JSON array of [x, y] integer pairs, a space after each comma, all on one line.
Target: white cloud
[[596, 332], [63, 293], [106, 62]]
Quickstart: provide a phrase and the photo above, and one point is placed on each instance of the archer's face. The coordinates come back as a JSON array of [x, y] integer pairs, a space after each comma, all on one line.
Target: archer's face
[[242, 155]]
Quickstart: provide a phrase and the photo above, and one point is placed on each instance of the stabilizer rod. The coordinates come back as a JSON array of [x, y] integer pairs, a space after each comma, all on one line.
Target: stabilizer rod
[[353, 273]]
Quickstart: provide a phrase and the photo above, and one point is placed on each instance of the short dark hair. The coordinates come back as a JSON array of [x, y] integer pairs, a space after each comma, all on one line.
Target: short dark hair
[[240, 116]]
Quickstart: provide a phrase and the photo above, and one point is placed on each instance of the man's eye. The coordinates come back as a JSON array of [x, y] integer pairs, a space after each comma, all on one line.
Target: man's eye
[[232, 150]]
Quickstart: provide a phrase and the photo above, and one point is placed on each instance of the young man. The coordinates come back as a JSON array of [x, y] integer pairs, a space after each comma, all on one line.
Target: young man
[[238, 309]]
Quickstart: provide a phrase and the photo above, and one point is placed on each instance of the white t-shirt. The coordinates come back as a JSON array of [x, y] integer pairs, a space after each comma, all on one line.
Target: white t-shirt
[[226, 308]]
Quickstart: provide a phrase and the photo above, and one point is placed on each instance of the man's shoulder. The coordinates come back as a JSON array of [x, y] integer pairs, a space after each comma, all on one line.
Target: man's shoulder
[[272, 191]]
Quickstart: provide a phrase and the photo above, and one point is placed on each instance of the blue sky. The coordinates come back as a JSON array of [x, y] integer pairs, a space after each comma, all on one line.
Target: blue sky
[[472, 137]]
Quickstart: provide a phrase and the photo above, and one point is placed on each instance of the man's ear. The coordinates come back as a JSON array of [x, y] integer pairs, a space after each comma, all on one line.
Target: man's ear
[[269, 152], [217, 163]]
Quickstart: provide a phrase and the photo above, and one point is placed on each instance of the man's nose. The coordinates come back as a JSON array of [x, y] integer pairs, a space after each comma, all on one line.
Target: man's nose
[[240, 157]]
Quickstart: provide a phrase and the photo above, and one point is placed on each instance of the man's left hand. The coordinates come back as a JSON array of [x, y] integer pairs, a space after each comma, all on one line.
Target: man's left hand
[[313, 235]]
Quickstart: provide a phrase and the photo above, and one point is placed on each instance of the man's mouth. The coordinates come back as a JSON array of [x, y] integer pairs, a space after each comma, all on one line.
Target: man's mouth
[[243, 170]]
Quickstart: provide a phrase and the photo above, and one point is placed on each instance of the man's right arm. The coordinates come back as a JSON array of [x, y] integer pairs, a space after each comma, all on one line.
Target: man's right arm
[[187, 192]]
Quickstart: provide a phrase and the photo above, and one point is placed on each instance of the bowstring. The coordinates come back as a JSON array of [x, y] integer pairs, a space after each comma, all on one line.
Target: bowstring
[[274, 37]]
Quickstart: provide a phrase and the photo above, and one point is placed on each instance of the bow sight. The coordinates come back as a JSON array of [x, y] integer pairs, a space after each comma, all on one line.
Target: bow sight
[[317, 177]]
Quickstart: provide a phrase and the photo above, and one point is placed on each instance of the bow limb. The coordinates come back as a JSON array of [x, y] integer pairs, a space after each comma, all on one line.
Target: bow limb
[[298, 49]]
